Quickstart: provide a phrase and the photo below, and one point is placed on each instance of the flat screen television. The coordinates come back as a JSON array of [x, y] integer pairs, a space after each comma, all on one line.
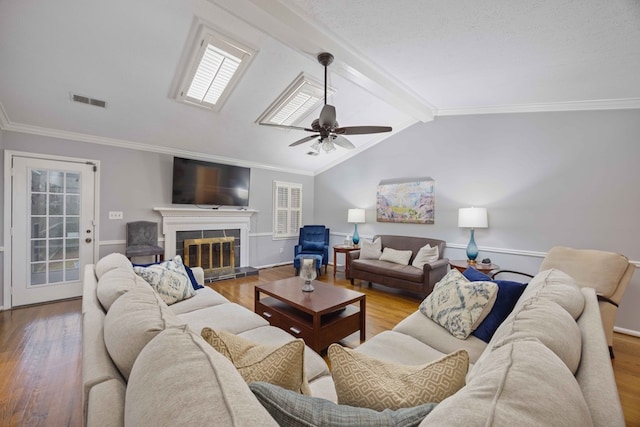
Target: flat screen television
[[197, 182]]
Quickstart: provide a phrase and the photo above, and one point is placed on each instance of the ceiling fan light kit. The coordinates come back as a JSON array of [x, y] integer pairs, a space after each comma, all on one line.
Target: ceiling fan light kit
[[326, 129]]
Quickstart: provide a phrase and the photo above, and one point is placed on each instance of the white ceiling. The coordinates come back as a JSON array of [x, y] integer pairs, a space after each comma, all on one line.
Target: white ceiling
[[397, 63]]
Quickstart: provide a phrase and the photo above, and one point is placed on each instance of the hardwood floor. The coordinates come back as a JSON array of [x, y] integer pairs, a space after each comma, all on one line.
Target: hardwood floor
[[40, 351]]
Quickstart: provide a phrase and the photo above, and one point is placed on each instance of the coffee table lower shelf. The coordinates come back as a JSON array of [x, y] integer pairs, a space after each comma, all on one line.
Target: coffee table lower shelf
[[332, 326]]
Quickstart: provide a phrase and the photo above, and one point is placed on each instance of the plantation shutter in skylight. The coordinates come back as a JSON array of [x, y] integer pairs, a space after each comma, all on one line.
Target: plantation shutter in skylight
[[215, 67]]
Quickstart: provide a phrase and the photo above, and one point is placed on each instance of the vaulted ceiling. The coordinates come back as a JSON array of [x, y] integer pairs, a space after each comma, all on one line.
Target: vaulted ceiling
[[397, 63]]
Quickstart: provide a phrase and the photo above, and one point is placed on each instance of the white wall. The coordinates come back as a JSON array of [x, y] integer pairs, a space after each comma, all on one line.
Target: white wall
[[546, 179], [135, 182]]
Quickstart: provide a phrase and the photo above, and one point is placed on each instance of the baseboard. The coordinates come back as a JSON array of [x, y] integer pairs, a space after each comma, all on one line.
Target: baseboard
[[626, 331]]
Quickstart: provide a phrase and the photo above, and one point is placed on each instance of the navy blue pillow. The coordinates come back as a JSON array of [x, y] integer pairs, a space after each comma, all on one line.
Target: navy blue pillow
[[308, 245], [508, 294], [192, 278]]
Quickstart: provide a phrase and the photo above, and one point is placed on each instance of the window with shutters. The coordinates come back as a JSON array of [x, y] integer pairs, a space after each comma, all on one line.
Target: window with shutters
[[287, 209]]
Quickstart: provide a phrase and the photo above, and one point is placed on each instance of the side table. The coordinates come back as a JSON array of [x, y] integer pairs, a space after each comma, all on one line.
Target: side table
[[342, 249], [462, 264]]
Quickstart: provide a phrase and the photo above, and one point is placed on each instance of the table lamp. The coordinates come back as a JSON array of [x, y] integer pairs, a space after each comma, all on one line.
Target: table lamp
[[355, 216], [472, 218]]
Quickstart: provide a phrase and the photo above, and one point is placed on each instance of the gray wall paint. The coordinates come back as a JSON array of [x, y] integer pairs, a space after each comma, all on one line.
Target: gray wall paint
[[134, 182], [546, 179], [2, 242]]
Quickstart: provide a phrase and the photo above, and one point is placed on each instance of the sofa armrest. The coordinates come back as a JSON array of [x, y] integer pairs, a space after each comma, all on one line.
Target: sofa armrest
[[353, 255], [436, 265], [433, 272], [198, 273]]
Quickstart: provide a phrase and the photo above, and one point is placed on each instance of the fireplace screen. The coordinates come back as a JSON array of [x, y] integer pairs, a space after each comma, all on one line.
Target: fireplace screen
[[216, 253]]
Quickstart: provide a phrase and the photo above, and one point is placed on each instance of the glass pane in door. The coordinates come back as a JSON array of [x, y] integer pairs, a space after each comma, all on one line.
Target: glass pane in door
[[55, 223]]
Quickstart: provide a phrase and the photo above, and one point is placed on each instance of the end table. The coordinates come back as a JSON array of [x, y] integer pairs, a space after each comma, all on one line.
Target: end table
[[342, 249], [462, 264]]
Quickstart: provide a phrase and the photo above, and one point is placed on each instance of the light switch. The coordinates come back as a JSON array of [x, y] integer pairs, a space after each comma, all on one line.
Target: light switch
[[115, 215]]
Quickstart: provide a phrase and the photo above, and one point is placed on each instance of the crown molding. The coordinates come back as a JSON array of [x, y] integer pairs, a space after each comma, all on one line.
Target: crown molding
[[592, 105], [7, 125]]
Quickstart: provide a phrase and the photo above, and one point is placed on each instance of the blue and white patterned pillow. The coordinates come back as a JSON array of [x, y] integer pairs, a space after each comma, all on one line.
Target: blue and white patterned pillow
[[459, 305], [169, 279]]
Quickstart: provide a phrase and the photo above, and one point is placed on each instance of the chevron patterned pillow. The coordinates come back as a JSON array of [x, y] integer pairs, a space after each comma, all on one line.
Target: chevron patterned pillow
[[366, 382], [279, 365]]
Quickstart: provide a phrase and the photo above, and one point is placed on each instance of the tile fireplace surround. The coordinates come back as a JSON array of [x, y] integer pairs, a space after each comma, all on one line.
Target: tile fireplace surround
[[175, 219]]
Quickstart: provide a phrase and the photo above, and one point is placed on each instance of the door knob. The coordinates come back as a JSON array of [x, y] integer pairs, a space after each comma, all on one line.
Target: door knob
[[88, 240]]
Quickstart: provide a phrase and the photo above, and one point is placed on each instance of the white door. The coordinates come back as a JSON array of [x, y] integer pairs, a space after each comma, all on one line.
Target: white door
[[52, 228]]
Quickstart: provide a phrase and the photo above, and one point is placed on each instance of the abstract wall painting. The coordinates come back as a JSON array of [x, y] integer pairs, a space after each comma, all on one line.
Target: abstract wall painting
[[409, 201]]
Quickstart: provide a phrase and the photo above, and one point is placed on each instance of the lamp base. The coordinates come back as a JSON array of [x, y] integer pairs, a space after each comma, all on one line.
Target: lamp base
[[472, 261]]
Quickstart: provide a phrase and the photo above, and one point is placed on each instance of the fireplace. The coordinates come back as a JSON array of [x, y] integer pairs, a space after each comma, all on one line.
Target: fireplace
[[228, 258], [213, 254]]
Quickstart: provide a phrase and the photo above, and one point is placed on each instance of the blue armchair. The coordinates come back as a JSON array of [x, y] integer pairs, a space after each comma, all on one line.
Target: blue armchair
[[313, 240]]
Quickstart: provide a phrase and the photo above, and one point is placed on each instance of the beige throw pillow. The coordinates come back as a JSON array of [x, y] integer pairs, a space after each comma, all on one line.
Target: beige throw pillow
[[279, 365], [371, 250], [396, 256], [366, 382], [459, 305], [426, 255]]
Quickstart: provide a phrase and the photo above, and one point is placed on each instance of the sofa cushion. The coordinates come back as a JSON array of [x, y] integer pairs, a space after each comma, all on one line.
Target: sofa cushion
[[116, 282], [192, 384], [554, 285], [111, 262], [229, 317], [169, 279], [459, 305], [429, 332], [388, 269], [292, 409], [205, 297], [552, 325], [371, 383], [385, 345], [280, 365], [133, 320], [426, 255], [508, 294], [314, 364], [396, 256], [371, 250], [522, 384]]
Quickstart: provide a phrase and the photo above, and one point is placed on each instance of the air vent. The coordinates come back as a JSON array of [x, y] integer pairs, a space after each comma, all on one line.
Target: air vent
[[89, 101]]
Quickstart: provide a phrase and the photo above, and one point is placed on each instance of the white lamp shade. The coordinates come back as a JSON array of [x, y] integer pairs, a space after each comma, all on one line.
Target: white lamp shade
[[355, 216], [472, 218]]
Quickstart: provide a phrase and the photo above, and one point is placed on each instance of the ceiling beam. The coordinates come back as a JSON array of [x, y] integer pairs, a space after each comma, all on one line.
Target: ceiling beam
[[295, 31]]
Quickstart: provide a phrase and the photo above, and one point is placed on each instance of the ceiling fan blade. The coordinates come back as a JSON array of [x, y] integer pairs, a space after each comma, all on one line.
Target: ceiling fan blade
[[287, 127], [360, 130], [343, 142], [327, 116], [303, 140]]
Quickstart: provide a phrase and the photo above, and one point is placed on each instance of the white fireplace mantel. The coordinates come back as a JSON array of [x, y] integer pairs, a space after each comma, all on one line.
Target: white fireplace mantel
[[176, 219]]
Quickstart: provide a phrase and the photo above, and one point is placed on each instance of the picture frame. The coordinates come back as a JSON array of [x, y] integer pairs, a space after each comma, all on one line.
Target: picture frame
[[408, 200]]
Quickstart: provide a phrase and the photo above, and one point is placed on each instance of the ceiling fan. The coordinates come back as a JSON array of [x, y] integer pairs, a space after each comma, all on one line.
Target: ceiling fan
[[326, 128]]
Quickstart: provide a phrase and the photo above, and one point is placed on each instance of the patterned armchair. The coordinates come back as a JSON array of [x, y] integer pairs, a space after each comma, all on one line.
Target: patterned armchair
[[313, 240]]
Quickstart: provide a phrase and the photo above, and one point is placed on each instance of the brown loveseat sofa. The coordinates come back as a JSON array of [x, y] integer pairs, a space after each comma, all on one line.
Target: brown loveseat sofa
[[407, 277]]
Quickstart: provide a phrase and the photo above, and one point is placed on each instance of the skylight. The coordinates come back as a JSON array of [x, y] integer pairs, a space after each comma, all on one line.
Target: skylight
[[214, 68], [295, 103]]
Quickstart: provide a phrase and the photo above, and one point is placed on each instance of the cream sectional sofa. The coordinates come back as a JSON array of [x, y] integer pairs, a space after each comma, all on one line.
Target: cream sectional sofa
[[177, 378], [144, 363]]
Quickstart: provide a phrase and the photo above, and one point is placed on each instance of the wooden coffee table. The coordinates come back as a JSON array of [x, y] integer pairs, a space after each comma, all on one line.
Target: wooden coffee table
[[321, 317]]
